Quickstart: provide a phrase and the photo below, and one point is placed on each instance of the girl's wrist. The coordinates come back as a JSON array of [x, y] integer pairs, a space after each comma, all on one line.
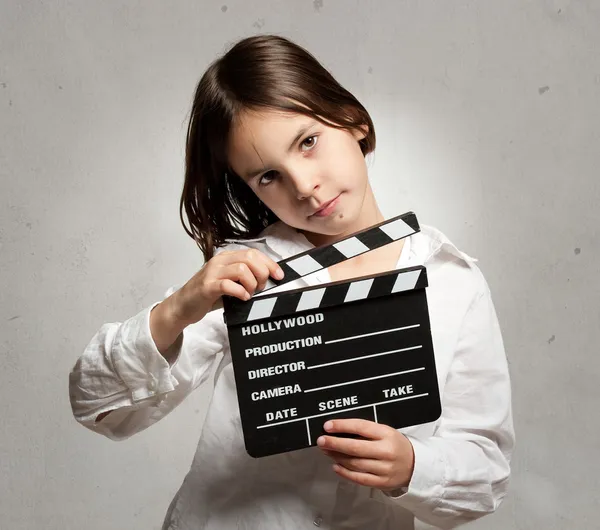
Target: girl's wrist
[[165, 325], [172, 312]]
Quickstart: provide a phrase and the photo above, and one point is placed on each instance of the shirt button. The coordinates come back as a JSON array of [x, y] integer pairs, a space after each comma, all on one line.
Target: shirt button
[[318, 520]]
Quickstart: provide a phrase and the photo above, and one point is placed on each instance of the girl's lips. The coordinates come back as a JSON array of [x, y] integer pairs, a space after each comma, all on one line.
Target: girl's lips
[[327, 208]]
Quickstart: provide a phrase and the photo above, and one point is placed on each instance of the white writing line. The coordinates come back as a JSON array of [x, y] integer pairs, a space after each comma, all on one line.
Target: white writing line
[[308, 432], [342, 410], [363, 357], [363, 380], [375, 412], [371, 334]]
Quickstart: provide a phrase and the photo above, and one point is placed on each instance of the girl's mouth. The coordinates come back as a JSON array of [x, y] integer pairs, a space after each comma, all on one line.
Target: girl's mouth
[[327, 208]]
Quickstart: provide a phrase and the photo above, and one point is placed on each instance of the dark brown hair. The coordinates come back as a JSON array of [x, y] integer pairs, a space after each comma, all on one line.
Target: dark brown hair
[[260, 72]]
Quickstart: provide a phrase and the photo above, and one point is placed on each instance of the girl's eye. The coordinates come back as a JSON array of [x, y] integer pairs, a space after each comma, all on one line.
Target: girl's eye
[[267, 178], [309, 142]]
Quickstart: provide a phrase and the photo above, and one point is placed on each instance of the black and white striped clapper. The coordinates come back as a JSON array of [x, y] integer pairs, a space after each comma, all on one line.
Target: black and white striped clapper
[[358, 348]]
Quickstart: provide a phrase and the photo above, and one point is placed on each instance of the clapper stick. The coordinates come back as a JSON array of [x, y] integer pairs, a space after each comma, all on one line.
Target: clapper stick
[[354, 348], [353, 245], [319, 258]]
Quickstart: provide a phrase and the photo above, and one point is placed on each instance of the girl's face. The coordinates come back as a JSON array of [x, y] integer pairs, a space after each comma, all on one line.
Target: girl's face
[[312, 176]]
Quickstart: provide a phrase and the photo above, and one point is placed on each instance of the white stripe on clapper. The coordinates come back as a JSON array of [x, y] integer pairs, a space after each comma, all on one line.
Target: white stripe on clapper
[[397, 230], [351, 247], [406, 281], [262, 308], [310, 299], [304, 265], [358, 290]]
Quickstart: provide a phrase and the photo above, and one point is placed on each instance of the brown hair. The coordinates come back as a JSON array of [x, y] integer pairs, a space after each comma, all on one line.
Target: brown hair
[[260, 72]]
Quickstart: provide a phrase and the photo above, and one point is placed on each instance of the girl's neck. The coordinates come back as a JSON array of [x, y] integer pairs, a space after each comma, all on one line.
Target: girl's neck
[[380, 260]]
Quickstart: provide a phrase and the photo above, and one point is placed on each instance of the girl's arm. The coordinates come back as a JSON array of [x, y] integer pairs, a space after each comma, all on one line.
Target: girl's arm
[[122, 383], [134, 373], [461, 472]]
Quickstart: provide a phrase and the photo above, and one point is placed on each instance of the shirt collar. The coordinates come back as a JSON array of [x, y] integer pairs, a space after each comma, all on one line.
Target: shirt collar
[[282, 240], [430, 242]]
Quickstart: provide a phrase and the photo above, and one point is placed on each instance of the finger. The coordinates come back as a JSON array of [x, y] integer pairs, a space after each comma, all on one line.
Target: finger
[[262, 267], [364, 428], [364, 479], [349, 446], [250, 256], [258, 262], [260, 271], [274, 269], [230, 288], [239, 272], [363, 465]]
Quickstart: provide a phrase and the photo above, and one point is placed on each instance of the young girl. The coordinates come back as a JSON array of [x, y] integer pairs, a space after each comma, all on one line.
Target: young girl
[[275, 165]]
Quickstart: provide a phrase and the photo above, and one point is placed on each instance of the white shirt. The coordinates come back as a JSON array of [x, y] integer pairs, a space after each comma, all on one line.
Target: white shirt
[[461, 469]]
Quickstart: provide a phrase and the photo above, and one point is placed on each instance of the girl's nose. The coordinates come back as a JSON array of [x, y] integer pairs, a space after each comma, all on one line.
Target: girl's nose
[[304, 185]]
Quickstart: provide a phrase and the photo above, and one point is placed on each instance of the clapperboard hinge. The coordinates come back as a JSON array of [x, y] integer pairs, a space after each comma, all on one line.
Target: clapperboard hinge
[[318, 258], [326, 295]]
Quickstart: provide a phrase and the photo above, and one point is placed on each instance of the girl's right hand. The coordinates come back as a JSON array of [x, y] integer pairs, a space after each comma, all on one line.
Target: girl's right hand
[[237, 273]]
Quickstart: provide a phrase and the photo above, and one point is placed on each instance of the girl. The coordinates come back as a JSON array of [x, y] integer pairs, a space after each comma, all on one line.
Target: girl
[[275, 165]]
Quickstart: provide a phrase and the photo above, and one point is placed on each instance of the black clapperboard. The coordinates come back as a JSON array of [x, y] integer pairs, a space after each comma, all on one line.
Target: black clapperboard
[[358, 348]]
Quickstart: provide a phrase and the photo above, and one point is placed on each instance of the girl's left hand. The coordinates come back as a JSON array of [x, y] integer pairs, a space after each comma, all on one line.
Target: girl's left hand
[[382, 459]]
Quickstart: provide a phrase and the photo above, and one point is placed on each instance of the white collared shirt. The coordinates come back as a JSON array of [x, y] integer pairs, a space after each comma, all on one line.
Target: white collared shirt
[[462, 460]]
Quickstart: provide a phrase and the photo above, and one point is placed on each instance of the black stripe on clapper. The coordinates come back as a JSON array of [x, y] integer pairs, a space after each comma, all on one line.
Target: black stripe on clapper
[[422, 282], [382, 285], [374, 239], [236, 310], [335, 294], [327, 256], [286, 305], [289, 275], [410, 219]]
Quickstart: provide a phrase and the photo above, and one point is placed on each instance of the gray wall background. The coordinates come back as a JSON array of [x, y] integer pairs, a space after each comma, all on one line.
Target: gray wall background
[[487, 117]]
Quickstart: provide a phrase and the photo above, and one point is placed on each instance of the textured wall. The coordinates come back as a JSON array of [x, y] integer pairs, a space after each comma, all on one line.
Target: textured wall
[[487, 118]]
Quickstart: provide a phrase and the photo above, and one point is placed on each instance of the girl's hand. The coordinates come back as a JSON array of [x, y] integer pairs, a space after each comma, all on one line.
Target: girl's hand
[[382, 459], [238, 273]]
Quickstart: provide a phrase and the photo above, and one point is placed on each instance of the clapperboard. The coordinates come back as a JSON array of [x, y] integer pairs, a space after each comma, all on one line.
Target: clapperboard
[[358, 348]]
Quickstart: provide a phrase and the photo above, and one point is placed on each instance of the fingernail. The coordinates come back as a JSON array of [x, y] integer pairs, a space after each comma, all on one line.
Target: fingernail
[[279, 274], [320, 440], [246, 296], [328, 425]]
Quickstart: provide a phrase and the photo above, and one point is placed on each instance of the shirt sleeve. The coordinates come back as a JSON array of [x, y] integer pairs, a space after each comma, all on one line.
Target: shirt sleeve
[[462, 472], [122, 371]]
